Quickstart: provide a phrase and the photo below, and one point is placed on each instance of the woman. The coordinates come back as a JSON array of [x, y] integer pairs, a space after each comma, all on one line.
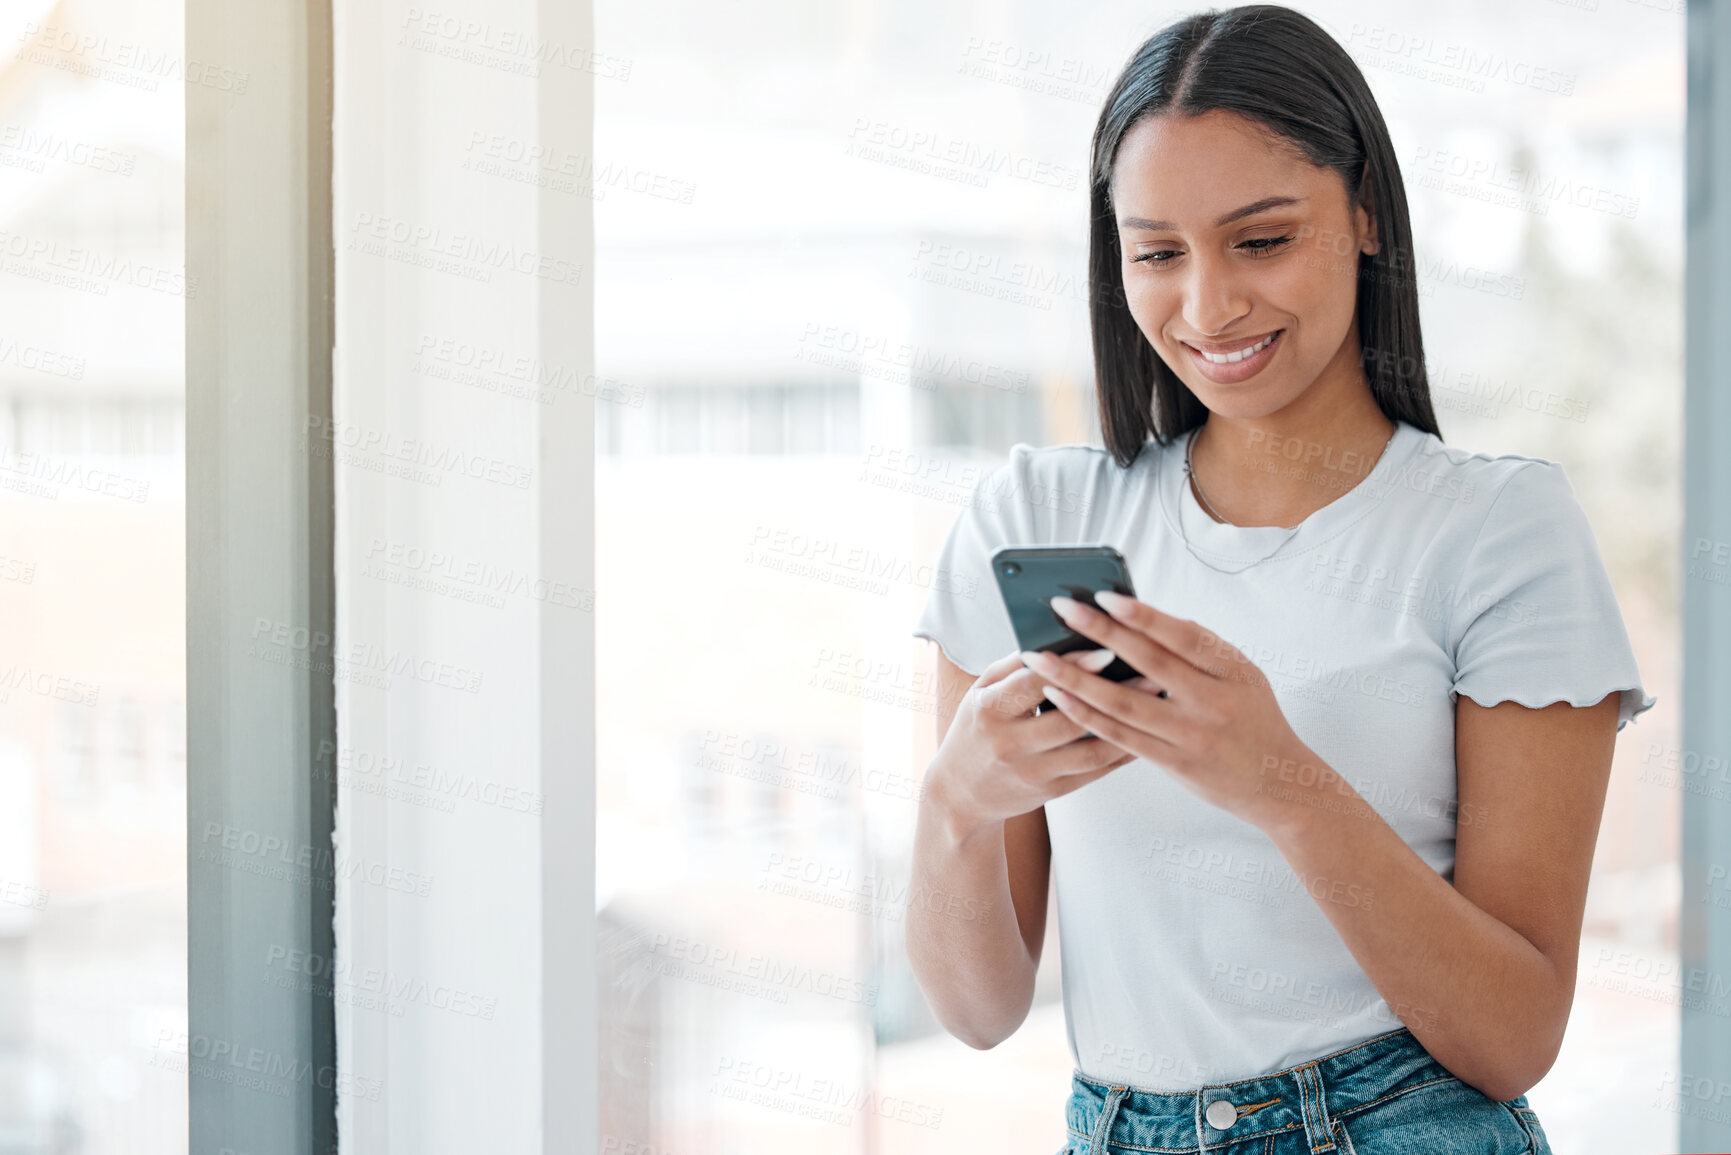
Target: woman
[[1321, 869]]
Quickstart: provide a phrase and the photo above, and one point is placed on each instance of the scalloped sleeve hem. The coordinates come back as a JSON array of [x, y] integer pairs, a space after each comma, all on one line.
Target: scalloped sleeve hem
[[1633, 700], [1539, 621]]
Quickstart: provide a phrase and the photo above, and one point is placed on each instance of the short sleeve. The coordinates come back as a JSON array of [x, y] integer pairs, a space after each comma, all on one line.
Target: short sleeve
[[1040, 495], [964, 612], [1535, 620]]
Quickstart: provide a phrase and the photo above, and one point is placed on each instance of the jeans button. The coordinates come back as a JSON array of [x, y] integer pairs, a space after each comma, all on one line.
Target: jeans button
[[1221, 1114]]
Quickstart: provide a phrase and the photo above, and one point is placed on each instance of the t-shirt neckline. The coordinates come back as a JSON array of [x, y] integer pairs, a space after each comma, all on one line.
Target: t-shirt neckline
[[1244, 545]]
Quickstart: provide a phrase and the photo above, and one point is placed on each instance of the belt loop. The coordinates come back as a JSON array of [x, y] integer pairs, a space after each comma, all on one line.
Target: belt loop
[[1103, 1126], [1318, 1127]]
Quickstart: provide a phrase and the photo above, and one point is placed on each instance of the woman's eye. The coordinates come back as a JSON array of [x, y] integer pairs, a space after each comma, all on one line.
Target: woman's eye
[[1257, 247], [1265, 244]]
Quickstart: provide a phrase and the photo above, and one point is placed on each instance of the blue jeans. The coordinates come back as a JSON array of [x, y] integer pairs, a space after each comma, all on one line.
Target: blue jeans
[[1384, 1096]]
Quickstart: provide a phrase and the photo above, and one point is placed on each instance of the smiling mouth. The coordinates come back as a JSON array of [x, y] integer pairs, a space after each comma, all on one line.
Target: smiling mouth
[[1237, 354]]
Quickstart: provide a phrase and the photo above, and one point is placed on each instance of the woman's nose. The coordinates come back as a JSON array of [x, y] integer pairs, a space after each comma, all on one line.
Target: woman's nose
[[1214, 297]]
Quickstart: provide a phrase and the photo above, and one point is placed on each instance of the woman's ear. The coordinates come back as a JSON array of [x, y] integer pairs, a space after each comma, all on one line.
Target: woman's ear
[[1366, 218]]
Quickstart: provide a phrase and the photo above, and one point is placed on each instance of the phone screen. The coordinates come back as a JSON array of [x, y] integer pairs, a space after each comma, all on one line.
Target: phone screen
[[1030, 576]]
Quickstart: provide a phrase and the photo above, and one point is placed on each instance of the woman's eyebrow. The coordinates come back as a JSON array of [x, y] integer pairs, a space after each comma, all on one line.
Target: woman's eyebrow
[[1250, 209]]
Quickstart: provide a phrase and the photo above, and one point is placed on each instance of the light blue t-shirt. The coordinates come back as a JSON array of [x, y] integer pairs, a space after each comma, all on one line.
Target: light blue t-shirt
[[1191, 952]]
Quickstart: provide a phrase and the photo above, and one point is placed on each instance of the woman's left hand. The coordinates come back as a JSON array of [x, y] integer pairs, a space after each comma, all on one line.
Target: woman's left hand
[[1219, 727]]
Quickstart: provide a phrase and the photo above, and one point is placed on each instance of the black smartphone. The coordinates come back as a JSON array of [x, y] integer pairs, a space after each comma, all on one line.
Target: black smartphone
[[1030, 576]]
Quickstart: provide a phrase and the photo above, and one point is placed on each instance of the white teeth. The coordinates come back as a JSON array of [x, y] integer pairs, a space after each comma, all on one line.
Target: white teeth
[[1229, 358]]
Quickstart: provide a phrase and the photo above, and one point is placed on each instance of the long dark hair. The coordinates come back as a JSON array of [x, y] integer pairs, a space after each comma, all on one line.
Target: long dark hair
[[1280, 69]]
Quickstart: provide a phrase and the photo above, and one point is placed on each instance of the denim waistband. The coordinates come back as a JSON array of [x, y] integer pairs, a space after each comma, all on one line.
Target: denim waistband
[[1305, 1097]]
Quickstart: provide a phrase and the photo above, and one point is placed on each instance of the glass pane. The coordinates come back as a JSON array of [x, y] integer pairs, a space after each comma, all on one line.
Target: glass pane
[[92, 540], [885, 241]]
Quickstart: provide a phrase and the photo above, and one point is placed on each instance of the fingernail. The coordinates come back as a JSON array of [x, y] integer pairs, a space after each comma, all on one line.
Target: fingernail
[[1112, 600], [1064, 606], [1096, 660]]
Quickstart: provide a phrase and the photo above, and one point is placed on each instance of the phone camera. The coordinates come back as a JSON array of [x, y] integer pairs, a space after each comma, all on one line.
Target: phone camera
[[1011, 569]]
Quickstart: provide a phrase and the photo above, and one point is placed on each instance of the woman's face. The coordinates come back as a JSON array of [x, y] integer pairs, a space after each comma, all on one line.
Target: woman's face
[[1229, 239]]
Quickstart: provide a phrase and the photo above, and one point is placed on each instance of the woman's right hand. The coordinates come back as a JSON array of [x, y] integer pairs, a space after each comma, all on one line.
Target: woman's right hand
[[1000, 759]]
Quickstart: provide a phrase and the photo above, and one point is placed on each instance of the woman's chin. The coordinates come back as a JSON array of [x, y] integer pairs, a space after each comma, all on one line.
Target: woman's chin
[[1247, 401]]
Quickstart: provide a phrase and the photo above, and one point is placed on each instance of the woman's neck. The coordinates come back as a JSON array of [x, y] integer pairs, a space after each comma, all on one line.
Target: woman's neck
[[1280, 469]]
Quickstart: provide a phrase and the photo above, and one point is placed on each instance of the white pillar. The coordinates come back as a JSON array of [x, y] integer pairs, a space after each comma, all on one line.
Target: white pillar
[[463, 439]]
